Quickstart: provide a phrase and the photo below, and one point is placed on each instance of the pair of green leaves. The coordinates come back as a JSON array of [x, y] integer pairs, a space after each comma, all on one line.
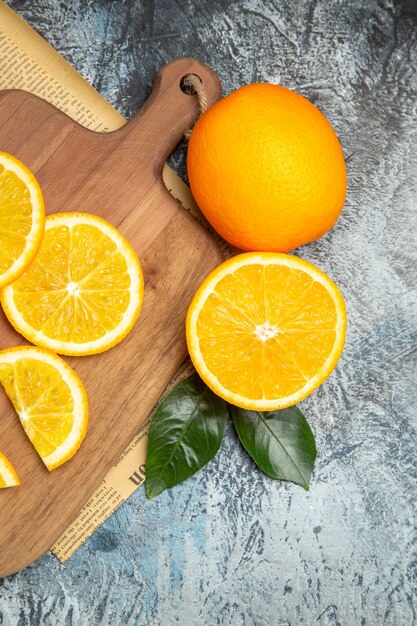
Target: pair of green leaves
[[187, 430]]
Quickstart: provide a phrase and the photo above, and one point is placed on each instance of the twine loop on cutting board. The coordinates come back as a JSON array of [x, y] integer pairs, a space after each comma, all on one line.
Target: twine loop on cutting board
[[192, 84]]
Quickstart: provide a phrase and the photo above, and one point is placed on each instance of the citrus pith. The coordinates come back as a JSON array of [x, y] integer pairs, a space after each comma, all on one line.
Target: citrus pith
[[264, 330], [22, 218], [8, 476], [84, 291], [50, 400]]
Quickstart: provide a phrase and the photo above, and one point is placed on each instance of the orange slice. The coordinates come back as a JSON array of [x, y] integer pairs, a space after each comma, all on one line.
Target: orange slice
[[84, 291], [8, 476], [49, 399], [264, 330], [22, 218]]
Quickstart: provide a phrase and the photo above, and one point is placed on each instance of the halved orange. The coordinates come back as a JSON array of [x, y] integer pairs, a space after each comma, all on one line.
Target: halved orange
[[8, 476], [83, 292], [265, 329], [49, 399], [22, 218]]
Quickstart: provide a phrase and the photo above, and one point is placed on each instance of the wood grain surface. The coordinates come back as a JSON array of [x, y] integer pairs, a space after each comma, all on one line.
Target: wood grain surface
[[116, 176]]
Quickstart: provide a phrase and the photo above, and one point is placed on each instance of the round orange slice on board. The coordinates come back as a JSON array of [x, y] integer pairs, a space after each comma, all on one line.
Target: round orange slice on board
[[50, 400], [265, 329], [8, 476], [84, 291], [22, 218]]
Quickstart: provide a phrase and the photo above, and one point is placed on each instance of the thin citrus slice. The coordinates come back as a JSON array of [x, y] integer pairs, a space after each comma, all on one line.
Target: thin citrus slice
[[264, 330], [22, 218], [84, 291], [49, 399], [8, 476]]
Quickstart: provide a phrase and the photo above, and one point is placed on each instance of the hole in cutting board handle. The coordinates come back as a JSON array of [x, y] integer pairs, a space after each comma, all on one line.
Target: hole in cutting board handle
[[170, 111], [189, 90]]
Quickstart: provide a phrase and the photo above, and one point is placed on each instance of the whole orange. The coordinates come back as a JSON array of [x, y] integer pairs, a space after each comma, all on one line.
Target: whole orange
[[266, 169]]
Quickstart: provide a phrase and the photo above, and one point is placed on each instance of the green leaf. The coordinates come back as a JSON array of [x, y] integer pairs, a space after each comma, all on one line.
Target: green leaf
[[280, 442], [186, 432]]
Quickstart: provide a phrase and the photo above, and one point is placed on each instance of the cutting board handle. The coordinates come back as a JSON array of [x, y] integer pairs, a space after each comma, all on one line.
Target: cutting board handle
[[169, 112]]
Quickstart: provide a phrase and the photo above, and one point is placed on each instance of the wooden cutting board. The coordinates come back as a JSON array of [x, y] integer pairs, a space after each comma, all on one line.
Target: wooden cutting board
[[117, 176]]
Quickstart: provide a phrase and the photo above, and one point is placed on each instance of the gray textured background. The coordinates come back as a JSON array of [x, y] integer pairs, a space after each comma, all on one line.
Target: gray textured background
[[231, 546]]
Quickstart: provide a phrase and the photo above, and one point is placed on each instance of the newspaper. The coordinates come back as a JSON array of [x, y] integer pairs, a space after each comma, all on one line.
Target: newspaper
[[28, 62]]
